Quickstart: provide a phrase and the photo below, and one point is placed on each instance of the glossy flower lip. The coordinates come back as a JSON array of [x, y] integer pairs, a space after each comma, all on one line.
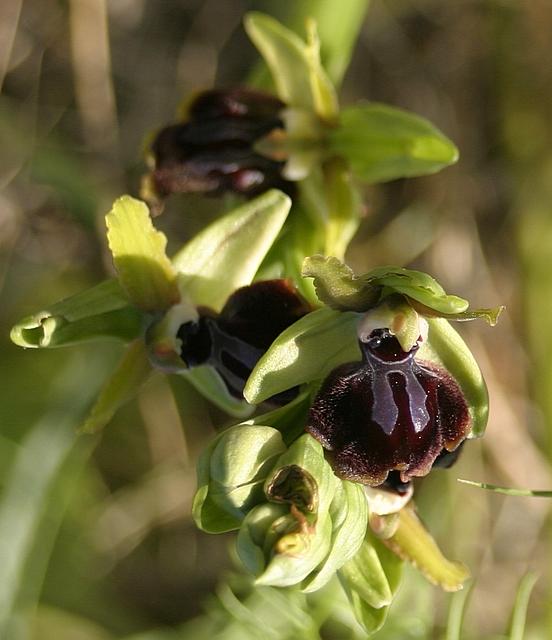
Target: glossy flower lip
[[234, 340], [388, 412]]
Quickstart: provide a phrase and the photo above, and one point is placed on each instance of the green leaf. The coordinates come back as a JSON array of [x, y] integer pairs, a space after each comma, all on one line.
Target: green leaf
[[337, 286], [445, 347], [209, 383], [227, 254], [308, 350], [509, 491], [413, 542], [124, 383], [100, 312], [349, 516], [294, 64], [138, 249], [36, 488], [231, 473], [519, 614], [384, 143]]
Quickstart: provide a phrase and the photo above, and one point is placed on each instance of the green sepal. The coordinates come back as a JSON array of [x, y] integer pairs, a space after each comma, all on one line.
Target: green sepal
[[231, 473], [122, 386], [294, 64], [385, 143], [413, 542], [209, 383], [446, 348], [102, 311], [349, 516], [337, 286], [307, 350], [145, 272], [227, 254]]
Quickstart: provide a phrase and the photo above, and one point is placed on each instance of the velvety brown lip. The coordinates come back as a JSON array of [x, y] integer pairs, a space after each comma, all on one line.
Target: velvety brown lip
[[388, 412]]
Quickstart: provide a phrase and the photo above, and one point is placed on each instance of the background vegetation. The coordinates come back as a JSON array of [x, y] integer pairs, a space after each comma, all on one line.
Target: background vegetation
[[96, 540]]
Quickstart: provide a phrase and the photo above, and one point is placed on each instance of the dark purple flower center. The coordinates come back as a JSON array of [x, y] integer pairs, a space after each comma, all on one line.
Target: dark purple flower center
[[233, 341]]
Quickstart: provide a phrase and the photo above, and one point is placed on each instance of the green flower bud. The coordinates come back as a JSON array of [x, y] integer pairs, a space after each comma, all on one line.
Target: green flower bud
[[231, 473]]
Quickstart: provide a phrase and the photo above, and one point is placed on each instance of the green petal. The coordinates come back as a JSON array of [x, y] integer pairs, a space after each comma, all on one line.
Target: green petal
[[124, 383], [138, 249], [294, 64], [308, 350], [227, 254], [413, 542], [445, 347], [337, 286], [349, 516], [231, 473], [102, 311], [384, 143]]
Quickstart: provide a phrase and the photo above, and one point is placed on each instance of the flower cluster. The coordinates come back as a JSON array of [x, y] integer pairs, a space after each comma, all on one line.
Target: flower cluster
[[364, 383]]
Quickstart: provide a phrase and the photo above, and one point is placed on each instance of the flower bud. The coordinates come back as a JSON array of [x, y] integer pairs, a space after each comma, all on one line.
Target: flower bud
[[283, 541], [230, 475]]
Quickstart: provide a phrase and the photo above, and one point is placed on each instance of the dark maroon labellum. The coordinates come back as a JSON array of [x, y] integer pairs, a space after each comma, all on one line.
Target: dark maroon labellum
[[213, 151], [387, 413], [252, 318]]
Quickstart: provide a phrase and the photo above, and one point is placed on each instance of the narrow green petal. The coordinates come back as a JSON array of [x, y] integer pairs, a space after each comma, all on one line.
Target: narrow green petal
[[124, 383], [308, 350], [102, 311], [413, 542], [337, 286], [138, 249], [227, 254], [385, 143]]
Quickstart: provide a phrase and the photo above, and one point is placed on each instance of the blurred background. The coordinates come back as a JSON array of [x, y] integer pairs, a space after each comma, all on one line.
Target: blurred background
[[96, 538]]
